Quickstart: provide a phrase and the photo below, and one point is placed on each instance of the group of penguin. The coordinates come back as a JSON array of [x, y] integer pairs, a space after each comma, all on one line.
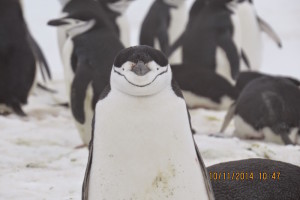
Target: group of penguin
[[131, 104]]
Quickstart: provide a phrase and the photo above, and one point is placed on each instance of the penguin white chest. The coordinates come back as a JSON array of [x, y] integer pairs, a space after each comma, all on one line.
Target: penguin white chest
[[143, 149], [68, 72]]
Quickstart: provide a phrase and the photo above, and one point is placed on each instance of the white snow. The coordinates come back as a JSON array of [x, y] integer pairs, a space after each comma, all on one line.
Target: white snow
[[37, 155]]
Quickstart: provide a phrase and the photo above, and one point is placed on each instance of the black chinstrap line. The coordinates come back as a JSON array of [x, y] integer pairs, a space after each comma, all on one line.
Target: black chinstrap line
[[141, 85]]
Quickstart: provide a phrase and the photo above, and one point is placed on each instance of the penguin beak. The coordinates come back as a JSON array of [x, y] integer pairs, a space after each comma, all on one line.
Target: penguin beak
[[57, 22], [140, 69]]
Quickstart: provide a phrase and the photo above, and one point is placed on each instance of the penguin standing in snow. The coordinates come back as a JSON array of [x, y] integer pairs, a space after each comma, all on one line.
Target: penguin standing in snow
[[19, 56], [241, 180], [140, 112], [267, 108], [210, 56], [251, 30], [88, 55], [163, 24]]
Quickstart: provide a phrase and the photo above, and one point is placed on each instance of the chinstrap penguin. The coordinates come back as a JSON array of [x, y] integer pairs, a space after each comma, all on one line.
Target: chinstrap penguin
[[19, 57], [209, 28], [88, 55], [267, 108], [141, 111], [163, 24], [252, 27], [259, 179]]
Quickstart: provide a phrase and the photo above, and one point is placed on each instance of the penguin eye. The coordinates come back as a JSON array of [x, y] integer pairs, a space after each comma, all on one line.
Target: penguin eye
[[123, 68], [157, 68]]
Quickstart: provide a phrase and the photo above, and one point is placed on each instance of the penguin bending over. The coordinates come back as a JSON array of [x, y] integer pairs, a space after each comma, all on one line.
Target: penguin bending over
[[140, 112], [259, 179], [267, 108], [88, 55], [19, 57]]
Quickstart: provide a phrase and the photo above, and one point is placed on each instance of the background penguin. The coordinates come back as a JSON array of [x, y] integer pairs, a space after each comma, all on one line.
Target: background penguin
[[270, 180], [211, 40], [251, 29], [114, 9], [140, 112], [88, 55], [267, 108], [163, 24], [19, 55], [209, 25]]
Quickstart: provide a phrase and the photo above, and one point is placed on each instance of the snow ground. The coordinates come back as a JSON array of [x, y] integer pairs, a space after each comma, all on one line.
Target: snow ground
[[37, 155]]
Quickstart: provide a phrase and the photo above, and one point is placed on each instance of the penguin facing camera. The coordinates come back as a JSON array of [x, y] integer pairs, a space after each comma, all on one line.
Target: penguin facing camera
[[163, 24], [88, 55], [267, 108], [259, 179], [141, 111], [19, 57]]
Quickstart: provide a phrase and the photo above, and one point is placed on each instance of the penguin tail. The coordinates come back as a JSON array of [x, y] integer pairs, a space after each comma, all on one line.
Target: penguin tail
[[228, 117], [264, 26]]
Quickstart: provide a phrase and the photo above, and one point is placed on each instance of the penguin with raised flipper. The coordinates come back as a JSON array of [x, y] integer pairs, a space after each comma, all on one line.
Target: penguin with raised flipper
[[241, 179], [267, 108], [141, 111], [88, 55], [19, 56]]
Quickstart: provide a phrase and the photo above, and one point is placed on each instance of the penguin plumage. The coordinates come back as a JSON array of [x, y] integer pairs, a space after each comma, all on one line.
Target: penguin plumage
[[88, 55], [19, 56], [267, 108], [163, 24], [209, 29], [140, 112], [252, 27], [260, 179]]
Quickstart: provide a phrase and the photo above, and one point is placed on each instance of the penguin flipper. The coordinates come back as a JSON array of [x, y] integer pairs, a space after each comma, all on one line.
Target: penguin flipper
[[264, 26], [163, 37], [226, 43], [245, 59], [175, 45], [83, 77], [228, 117], [86, 180], [39, 56], [207, 182]]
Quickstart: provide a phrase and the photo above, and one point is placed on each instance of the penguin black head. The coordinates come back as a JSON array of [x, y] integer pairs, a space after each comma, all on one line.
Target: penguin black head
[[141, 71]]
